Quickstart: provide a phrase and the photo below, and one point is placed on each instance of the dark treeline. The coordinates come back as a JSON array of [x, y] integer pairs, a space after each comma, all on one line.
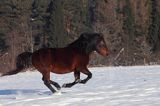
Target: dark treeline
[[131, 28]]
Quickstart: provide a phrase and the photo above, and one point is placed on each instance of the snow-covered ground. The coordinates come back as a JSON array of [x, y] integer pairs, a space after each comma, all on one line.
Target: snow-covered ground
[[112, 86]]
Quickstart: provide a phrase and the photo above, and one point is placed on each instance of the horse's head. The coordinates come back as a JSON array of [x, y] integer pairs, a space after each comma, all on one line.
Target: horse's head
[[101, 46], [96, 42]]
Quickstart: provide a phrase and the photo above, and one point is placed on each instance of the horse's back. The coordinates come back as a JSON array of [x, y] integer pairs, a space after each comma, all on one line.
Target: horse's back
[[42, 58]]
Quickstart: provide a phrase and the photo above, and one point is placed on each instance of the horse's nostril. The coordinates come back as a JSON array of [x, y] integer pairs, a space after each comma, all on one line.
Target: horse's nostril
[[107, 53]]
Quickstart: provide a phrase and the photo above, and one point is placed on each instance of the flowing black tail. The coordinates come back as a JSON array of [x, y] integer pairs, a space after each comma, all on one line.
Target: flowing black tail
[[23, 61]]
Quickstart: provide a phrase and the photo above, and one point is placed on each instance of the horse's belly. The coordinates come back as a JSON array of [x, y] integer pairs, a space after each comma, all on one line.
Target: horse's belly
[[62, 70]]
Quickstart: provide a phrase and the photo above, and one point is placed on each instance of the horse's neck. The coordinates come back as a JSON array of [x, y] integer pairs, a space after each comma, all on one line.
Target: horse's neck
[[81, 47], [78, 51]]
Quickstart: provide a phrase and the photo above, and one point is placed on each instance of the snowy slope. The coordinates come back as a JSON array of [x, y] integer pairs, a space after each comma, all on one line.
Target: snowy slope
[[112, 86]]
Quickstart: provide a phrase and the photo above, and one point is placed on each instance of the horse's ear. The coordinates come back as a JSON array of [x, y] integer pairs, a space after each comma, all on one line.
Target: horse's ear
[[101, 34]]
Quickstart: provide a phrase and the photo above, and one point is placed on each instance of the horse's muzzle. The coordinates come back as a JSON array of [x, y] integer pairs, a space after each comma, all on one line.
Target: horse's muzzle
[[104, 52]]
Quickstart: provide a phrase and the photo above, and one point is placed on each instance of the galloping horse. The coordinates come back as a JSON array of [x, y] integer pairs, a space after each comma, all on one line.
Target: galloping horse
[[72, 58]]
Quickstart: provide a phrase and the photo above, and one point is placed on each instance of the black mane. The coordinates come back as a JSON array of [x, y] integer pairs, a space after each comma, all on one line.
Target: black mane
[[85, 43]]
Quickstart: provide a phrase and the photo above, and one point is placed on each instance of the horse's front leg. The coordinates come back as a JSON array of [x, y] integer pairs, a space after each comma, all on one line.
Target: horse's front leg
[[89, 76], [77, 80]]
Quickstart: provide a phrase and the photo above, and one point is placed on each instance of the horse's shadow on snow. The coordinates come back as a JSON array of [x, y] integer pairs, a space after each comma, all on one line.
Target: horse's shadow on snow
[[23, 92]]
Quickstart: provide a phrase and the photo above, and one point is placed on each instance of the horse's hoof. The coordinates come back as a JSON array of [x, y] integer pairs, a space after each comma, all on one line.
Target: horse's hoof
[[64, 85], [59, 88], [82, 82]]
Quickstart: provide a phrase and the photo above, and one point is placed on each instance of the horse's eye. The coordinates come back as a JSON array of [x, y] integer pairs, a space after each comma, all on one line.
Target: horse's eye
[[101, 43]]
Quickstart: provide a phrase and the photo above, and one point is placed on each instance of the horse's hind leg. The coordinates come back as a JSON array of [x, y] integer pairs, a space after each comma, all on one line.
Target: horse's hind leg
[[77, 79], [47, 82]]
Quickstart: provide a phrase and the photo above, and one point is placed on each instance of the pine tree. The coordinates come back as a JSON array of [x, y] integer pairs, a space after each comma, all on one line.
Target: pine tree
[[38, 22], [3, 45], [154, 28], [55, 25]]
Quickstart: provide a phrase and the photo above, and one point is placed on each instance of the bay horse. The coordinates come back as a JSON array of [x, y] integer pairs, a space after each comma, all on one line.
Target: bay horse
[[72, 58]]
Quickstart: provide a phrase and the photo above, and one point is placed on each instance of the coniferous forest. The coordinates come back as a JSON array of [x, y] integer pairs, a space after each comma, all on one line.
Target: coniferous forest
[[131, 28]]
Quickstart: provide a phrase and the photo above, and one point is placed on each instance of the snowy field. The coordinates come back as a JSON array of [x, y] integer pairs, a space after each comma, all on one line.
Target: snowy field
[[112, 86]]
